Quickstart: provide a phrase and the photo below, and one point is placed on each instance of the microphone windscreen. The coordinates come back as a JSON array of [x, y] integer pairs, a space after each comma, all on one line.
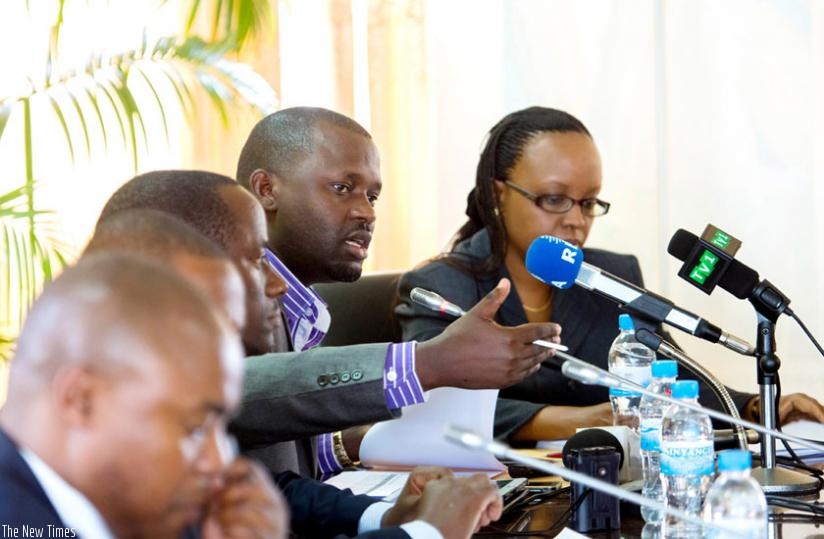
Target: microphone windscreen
[[554, 261], [593, 438], [681, 244], [739, 280]]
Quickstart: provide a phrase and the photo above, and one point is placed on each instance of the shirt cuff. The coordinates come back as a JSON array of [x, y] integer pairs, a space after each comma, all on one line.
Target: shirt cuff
[[417, 529], [420, 529], [327, 463], [371, 518], [401, 385]]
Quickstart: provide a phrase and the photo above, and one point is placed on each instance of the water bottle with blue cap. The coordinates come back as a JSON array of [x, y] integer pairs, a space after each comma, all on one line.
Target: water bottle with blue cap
[[629, 359]]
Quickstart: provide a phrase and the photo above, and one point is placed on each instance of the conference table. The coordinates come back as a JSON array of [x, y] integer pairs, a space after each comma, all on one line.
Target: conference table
[[540, 519]]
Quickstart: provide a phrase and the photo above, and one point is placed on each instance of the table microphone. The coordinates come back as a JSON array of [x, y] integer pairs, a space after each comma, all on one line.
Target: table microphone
[[472, 440], [437, 303], [589, 374], [561, 264]]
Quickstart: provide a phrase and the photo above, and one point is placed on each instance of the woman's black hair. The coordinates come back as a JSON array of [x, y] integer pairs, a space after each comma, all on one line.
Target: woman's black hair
[[504, 146]]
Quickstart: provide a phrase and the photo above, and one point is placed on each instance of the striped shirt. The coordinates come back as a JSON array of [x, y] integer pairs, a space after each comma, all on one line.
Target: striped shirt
[[308, 319]]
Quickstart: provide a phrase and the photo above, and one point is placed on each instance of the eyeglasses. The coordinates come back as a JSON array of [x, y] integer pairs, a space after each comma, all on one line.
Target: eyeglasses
[[591, 207]]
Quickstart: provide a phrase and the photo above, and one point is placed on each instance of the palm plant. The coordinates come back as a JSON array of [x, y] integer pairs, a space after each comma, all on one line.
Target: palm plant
[[100, 102]]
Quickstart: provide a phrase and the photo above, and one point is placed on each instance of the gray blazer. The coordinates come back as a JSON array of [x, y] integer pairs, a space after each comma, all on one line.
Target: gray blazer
[[290, 397], [589, 325]]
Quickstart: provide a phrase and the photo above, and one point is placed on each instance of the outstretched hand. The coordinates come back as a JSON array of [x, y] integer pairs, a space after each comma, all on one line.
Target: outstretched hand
[[457, 507], [474, 352]]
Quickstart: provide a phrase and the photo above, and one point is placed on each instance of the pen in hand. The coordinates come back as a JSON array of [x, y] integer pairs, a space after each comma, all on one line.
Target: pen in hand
[[437, 303]]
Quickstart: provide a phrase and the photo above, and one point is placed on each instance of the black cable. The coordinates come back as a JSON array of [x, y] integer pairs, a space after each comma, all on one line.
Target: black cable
[[806, 331], [797, 505]]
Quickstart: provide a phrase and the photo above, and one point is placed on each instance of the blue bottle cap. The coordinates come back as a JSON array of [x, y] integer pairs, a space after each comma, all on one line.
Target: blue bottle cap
[[685, 389], [625, 323], [664, 368], [734, 460]]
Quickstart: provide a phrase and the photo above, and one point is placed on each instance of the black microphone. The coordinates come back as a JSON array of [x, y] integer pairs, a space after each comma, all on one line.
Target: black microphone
[[738, 279], [593, 437], [560, 264]]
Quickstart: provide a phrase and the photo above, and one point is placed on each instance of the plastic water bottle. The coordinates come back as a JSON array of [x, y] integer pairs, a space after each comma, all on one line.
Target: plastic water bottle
[[687, 460], [651, 412], [629, 359], [735, 499]]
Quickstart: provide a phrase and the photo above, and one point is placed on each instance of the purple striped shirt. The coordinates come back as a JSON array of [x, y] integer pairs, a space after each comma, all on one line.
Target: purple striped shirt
[[308, 319]]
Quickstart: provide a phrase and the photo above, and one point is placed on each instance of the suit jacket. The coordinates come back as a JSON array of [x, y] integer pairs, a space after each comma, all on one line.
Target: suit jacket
[[319, 510], [589, 322], [288, 396], [23, 500]]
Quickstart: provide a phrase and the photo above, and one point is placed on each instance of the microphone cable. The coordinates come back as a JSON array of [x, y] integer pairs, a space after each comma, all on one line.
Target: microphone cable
[[806, 331]]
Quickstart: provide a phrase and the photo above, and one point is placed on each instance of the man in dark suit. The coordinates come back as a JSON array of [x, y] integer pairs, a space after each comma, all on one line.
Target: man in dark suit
[[115, 420]]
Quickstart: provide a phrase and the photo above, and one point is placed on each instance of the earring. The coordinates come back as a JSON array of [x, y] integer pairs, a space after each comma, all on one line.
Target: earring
[[497, 212]]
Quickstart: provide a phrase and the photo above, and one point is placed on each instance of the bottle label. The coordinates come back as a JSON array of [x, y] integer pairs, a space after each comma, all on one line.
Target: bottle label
[[650, 434], [687, 457], [640, 375]]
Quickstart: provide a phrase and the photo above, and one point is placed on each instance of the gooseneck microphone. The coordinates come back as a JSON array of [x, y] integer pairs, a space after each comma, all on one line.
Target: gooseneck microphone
[[436, 302], [658, 344], [471, 440], [590, 374], [561, 264]]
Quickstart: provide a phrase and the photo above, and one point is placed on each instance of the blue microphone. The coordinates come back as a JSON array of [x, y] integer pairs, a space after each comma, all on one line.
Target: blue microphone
[[556, 259], [560, 264]]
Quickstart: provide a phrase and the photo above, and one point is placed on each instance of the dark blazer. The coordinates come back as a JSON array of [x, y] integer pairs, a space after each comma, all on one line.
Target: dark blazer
[[319, 510], [22, 499], [589, 325]]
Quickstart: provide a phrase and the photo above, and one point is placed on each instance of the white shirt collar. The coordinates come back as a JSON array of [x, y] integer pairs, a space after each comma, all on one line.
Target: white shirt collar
[[73, 508]]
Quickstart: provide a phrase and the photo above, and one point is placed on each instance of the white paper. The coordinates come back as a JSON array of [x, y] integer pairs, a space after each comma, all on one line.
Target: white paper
[[386, 485], [804, 429], [566, 533], [416, 438]]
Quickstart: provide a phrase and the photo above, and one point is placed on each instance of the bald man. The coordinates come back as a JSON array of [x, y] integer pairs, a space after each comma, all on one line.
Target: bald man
[[120, 390], [164, 238]]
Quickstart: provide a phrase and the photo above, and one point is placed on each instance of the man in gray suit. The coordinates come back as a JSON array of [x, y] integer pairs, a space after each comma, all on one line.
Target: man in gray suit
[[316, 174], [297, 395]]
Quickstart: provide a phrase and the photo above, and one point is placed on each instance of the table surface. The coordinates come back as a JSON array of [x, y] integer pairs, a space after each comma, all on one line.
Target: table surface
[[545, 513]]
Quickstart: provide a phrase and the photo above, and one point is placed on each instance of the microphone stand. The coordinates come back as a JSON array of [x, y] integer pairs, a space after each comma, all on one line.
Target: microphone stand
[[769, 304]]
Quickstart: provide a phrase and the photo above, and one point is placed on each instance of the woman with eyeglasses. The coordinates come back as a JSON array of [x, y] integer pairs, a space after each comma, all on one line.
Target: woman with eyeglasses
[[539, 173]]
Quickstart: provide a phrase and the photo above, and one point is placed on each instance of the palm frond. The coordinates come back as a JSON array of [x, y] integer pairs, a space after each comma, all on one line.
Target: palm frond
[[5, 112], [235, 22], [31, 256]]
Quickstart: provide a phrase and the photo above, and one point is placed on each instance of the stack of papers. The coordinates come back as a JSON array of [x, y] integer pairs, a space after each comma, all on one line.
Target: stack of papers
[[417, 437], [803, 429]]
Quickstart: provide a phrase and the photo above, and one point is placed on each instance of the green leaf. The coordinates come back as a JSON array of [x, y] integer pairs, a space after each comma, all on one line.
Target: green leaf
[[180, 87], [159, 102], [217, 94], [79, 110], [5, 112], [107, 91], [90, 94], [192, 16], [59, 112]]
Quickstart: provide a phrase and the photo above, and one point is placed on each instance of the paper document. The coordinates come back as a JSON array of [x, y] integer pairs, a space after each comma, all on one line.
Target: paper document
[[416, 438], [803, 429], [386, 485]]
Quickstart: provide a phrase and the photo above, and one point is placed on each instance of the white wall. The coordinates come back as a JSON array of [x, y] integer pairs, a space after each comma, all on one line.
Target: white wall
[[704, 112]]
